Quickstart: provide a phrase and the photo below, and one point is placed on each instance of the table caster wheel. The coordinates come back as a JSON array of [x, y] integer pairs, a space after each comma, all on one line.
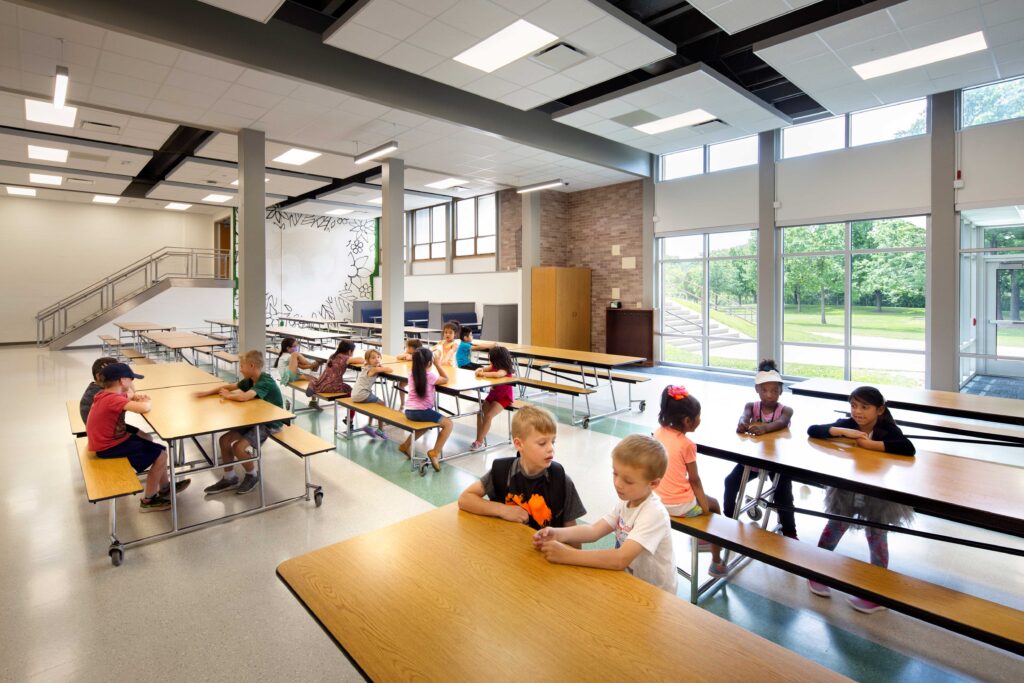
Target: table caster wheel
[[754, 513], [423, 470], [643, 406], [586, 423], [116, 556], [318, 498]]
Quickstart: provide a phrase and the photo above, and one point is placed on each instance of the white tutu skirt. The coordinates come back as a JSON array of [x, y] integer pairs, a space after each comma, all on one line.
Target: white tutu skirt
[[859, 506]]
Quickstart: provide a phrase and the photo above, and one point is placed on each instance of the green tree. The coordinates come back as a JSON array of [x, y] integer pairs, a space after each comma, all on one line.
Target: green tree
[[896, 279], [814, 275]]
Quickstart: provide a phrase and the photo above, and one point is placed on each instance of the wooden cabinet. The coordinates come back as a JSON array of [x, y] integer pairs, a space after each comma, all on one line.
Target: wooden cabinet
[[630, 332], [561, 308]]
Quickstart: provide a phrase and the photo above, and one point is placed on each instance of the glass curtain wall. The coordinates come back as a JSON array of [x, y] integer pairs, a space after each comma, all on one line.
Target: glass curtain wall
[[853, 300], [708, 293]]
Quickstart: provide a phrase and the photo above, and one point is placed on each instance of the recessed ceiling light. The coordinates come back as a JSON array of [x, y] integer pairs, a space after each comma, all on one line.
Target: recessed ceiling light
[[296, 156], [506, 46], [929, 54], [218, 198], [377, 152], [375, 200], [44, 179], [21, 191], [178, 206], [338, 212], [690, 118], [48, 154], [60, 86], [541, 186], [105, 199], [235, 182], [45, 112], [446, 184]]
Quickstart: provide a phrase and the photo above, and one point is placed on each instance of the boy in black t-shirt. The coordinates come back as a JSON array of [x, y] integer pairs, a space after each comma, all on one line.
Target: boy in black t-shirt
[[530, 488]]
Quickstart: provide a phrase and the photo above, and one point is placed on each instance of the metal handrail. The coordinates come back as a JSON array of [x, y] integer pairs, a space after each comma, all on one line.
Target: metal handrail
[[53, 322]]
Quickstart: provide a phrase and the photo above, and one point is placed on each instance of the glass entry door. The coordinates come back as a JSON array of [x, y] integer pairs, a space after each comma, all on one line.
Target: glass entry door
[[1004, 323]]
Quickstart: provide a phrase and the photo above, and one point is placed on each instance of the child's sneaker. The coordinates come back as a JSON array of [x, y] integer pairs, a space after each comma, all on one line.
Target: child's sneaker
[[154, 504], [221, 486], [381, 434], [819, 589], [718, 570], [476, 445], [370, 431], [179, 486], [865, 606], [248, 484], [435, 460]]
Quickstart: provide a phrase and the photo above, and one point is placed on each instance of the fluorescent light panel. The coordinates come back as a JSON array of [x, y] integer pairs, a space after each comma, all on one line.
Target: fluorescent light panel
[[446, 184], [506, 46], [44, 112], [375, 200], [296, 156], [377, 152], [48, 154], [60, 87], [178, 206], [541, 186], [105, 199], [690, 118], [218, 198], [44, 179], [929, 54], [21, 191]]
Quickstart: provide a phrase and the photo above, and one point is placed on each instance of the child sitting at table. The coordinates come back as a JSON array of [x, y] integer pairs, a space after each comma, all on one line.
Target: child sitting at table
[[869, 426], [239, 445], [681, 489], [109, 436], [464, 352], [294, 362], [410, 348], [362, 392], [95, 387], [643, 539], [419, 406], [498, 398], [530, 488], [445, 349], [332, 379], [762, 417]]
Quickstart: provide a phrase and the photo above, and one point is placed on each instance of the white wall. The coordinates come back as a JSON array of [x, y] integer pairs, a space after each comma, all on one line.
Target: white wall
[[479, 264], [483, 288], [873, 181], [54, 249], [991, 158], [721, 199]]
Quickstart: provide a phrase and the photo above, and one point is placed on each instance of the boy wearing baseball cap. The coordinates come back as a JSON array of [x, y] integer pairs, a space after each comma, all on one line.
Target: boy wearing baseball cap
[[109, 436]]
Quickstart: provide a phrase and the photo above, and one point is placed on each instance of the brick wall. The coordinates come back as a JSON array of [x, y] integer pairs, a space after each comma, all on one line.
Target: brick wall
[[510, 230], [555, 240], [599, 219]]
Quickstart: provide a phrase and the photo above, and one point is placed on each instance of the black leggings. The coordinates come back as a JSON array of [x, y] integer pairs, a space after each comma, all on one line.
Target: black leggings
[[783, 497]]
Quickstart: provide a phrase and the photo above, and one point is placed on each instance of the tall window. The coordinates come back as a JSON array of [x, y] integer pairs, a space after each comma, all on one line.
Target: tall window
[[889, 123], [682, 164], [811, 138], [430, 233], [854, 301], [708, 291], [476, 226], [994, 102], [732, 154]]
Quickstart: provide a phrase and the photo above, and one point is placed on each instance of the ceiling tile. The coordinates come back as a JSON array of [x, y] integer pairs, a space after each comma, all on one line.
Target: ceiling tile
[[391, 19], [141, 49], [736, 15], [478, 17], [268, 82], [411, 58], [442, 39], [205, 66], [360, 40], [260, 10]]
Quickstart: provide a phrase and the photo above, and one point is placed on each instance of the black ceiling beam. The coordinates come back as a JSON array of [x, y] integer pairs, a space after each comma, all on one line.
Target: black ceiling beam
[[182, 143]]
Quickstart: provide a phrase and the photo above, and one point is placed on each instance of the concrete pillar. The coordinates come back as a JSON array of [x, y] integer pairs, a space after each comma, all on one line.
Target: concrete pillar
[[941, 341], [392, 263], [252, 241], [768, 332], [647, 241], [531, 259]]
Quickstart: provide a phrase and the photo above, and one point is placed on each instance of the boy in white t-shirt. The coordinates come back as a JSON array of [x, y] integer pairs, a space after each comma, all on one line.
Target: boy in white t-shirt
[[643, 542]]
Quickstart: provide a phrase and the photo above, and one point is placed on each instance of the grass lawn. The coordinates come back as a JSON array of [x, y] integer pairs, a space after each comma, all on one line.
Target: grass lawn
[[891, 323]]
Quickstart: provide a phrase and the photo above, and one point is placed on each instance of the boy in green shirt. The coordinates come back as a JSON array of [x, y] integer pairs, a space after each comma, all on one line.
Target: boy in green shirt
[[236, 445]]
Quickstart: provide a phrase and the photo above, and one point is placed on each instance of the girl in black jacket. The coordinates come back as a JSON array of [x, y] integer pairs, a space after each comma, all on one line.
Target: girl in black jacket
[[870, 426]]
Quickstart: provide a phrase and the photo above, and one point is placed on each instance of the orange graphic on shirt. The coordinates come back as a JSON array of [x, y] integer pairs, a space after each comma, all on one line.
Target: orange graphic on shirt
[[537, 507]]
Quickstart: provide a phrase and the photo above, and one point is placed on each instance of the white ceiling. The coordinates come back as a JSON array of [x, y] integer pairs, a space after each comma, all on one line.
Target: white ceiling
[[83, 155], [417, 179], [12, 173], [677, 92], [124, 202], [194, 194], [734, 16], [363, 194], [316, 207], [422, 37], [260, 10], [820, 63], [215, 173], [995, 217]]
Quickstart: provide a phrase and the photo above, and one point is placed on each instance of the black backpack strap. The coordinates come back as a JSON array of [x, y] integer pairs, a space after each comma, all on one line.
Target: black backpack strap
[[501, 470]]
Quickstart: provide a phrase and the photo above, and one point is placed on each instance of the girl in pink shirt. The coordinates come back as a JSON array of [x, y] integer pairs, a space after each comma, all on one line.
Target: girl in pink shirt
[[680, 489], [419, 406]]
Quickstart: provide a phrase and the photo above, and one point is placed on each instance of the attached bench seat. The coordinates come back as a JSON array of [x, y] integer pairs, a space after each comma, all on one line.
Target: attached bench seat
[[105, 478], [554, 387], [600, 373], [226, 356], [379, 411], [983, 620], [143, 361], [75, 418], [300, 442], [132, 354]]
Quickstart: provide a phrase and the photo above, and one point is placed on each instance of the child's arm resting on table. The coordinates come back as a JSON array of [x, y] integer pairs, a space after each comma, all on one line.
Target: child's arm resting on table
[[781, 423], [495, 374], [217, 390], [745, 419], [140, 405], [553, 543], [473, 500]]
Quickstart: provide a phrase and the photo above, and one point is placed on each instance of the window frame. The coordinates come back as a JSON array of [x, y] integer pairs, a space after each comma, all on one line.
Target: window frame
[[431, 243], [476, 227]]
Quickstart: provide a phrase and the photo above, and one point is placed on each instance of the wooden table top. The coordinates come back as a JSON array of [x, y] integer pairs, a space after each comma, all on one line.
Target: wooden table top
[[177, 412], [162, 375], [587, 358], [225, 322], [991, 408], [459, 379], [380, 326], [452, 596], [302, 333], [143, 327], [973, 491], [182, 340]]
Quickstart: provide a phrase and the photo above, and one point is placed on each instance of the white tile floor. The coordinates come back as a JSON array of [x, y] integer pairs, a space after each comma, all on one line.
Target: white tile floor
[[208, 606]]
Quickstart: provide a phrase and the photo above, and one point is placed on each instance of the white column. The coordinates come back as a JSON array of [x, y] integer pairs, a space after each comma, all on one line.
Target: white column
[[768, 345], [252, 241], [392, 264], [941, 332], [531, 259]]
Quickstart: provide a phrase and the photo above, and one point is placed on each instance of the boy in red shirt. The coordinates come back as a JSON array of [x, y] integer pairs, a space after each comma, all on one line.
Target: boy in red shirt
[[110, 438]]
